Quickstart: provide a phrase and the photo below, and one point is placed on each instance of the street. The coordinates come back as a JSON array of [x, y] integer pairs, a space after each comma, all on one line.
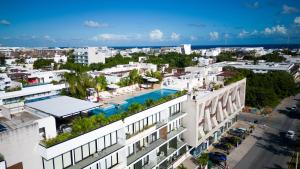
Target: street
[[271, 151]]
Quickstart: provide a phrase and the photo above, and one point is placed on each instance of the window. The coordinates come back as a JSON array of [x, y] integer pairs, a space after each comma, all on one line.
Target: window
[[78, 154], [114, 159], [145, 121], [130, 150], [108, 162], [67, 159], [58, 162], [137, 126], [48, 164], [102, 164], [100, 144], [131, 129], [146, 160], [150, 120], [85, 150], [92, 147], [107, 141], [113, 138]]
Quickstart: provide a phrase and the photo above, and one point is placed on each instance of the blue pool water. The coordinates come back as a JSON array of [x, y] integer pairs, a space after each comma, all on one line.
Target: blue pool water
[[113, 109]]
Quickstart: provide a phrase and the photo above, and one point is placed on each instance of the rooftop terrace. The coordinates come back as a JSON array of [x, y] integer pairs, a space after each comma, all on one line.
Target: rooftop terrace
[[18, 120]]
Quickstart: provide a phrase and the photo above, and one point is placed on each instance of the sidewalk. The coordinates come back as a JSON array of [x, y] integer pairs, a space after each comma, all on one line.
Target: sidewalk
[[238, 153]]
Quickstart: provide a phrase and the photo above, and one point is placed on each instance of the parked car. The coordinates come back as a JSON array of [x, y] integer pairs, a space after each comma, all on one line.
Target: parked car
[[221, 146], [242, 130], [217, 157], [237, 133], [290, 134], [232, 140]]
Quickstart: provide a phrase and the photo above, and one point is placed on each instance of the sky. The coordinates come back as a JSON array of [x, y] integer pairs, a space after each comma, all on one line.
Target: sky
[[55, 23]]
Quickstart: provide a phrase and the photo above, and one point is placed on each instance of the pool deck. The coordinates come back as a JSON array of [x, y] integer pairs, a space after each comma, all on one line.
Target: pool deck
[[120, 99]]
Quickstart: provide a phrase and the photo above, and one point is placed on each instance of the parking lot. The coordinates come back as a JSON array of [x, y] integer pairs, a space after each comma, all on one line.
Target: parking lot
[[235, 143]]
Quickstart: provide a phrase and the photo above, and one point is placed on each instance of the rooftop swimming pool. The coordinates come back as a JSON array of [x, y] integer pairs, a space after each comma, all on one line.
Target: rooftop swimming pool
[[113, 109]]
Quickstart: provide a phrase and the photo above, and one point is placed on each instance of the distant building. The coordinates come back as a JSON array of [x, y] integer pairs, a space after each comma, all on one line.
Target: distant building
[[186, 49], [89, 55], [60, 58]]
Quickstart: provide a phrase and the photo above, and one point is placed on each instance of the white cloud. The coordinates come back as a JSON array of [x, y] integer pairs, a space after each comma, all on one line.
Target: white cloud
[[275, 29], [226, 36], [94, 24], [253, 5], [48, 38], [214, 35], [175, 36], [156, 34], [289, 9], [4, 22], [193, 37], [243, 34], [297, 20], [115, 37]]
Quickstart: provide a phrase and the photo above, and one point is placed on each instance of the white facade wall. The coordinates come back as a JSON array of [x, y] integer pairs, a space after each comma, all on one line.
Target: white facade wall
[[207, 113], [186, 48]]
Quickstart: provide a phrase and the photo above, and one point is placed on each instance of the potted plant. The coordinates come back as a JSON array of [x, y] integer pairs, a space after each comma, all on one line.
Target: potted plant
[[181, 166], [203, 160]]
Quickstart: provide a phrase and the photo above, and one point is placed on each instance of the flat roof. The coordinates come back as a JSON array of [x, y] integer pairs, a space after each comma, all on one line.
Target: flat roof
[[62, 106]]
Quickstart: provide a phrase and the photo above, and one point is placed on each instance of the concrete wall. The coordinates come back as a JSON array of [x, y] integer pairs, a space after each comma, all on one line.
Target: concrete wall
[[20, 146]]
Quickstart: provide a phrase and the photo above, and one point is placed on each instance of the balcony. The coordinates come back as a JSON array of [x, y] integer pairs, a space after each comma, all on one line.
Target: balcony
[[144, 151], [175, 132], [170, 152], [96, 157], [173, 117]]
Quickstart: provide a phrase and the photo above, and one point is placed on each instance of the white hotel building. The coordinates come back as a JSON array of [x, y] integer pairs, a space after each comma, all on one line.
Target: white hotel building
[[149, 139], [159, 137]]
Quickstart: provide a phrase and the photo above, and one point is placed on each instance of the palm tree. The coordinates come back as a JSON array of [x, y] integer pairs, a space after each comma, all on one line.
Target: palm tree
[[101, 84], [182, 167], [134, 76]]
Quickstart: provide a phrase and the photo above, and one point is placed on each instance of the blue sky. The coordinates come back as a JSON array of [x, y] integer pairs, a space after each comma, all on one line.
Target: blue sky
[[142, 23]]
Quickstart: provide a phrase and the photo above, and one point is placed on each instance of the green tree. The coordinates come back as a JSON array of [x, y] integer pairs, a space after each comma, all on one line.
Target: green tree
[[156, 75], [226, 56], [101, 83], [273, 57], [134, 76], [20, 60], [42, 63]]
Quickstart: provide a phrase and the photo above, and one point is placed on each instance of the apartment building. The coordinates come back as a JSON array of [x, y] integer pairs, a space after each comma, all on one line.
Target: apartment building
[[90, 55], [41, 77], [186, 49], [114, 74]]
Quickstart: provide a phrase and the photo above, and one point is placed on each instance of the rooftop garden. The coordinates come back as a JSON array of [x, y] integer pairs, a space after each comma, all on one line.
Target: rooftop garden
[[82, 125]]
